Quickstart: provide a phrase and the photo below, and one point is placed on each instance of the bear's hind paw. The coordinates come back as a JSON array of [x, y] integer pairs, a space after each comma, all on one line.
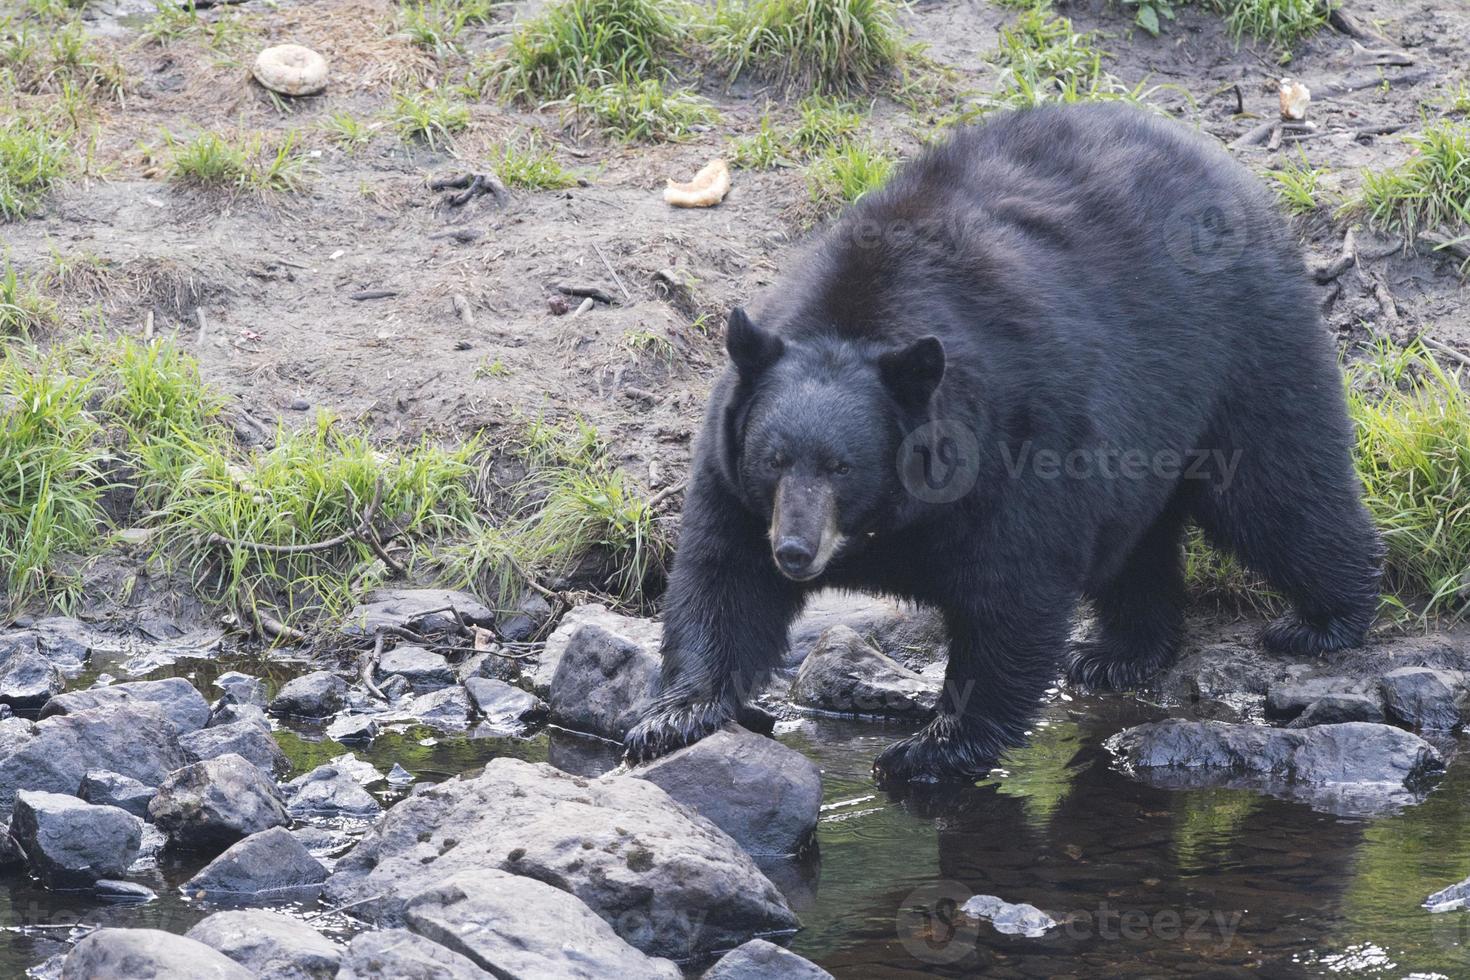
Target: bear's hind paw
[[942, 752], [671, 728]]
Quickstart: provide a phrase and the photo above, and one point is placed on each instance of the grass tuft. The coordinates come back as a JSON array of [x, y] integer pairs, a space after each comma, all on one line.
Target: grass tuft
[[843, 174], [642, 111], [436, 25], [1431, 188], [587, 43], [33, 159], [244, 163], [24, 310], [805, 45], [824, 123], [429, 116], [1297, 185], [530, 167]]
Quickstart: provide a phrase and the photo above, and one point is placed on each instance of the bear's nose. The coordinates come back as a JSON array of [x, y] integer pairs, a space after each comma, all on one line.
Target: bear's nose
[[793, 555]]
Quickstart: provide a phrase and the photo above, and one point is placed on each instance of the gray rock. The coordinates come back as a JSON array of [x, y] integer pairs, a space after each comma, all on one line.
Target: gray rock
[[212, 804], [603, 679], [1011, 918], [56, 753], [353, 728], [271, 865], [244, 688], [847, 675], [123, 892], [447, 709], [404, 955], [424, 669], [28, 680], [1337, 709], [244, 738], [1425, 698], [394, 687], [506, 708], [229, 711], [520, 927], [1456, 896], [1290, 698], [420, 610], [912, 635], [764, 795], [530, 615], [644, 633], [486, 664], [762, 960], [1350, 768], [11, 855], [106, 788], [270, 945], [667, 880], [70, 842], [65, 642], [1223, 671], [330, 789], [315, 695], [183, 706], [147, 954]]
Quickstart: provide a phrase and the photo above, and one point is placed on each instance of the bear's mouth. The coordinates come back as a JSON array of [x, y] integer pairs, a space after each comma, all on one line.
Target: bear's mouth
[[804, 535]]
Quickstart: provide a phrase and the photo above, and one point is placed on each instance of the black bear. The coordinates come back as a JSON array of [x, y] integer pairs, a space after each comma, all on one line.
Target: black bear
[[1000, 385]]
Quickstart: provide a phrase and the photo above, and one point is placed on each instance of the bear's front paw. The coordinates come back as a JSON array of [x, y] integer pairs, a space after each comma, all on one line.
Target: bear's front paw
[[670, 727], [941, 752]]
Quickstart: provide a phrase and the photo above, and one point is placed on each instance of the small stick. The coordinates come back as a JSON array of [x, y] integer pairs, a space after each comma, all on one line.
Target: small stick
[[273, 627], [148, 326], [1344, 262], [297, 549], [1445, 349], [462, 307], [369, 665], [1256, 135], [1360, 82], [611, 271], [367, 294], [666, 493], [590, 292], [1385, 302], [342, 908], [586, 305], [203, 323]]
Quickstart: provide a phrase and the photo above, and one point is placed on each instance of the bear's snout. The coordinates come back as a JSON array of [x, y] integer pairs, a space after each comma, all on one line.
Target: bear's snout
[[804, 534]]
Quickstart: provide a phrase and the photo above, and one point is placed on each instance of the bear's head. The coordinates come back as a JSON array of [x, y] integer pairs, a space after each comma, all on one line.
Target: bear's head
[[810, 436]]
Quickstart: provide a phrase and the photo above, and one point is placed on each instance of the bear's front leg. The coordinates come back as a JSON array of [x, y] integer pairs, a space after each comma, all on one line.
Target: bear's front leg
[[1002, 658], [725, 621]]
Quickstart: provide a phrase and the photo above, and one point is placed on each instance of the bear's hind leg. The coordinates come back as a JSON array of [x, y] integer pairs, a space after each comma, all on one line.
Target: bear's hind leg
[[1140, 615]]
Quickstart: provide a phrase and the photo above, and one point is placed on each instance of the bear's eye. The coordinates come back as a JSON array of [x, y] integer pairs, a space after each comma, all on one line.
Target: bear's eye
[[841, 469], [777, 462]]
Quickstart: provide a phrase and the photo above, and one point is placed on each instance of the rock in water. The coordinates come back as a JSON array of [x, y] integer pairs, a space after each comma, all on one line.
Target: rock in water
[[755, 789], [28, 680], [667, 880], [1425, 698], [602, 682], [1288, 699], [1457, 896], [645, 633], [1335, 709], [70, 842], [400, 953], [115, 954], [761, 960], [845, 674], [315, 695], [212, 804], [420, 610], [424, 669], [244, 688], [519, 927], [291, 69], [271, 865], [106, 788], [271, 946], [1013, 919], [907, 633], [246, 739], [506, 708], [1356, 767], [183, 706], [331, 790]]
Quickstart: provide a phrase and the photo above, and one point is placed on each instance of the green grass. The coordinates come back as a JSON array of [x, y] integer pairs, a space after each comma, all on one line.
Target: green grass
[[578, 43], [530, 167], [349, 132], [33, 159], [437, 25], [429, 116], [1041, 58], [823, 123], [55, 60], [844, 173], [641, 112], [224, 32], [806, 45], [243, 163], [762, 150], [24, 309], [1297, 185], [1431, 188], [1280, 22]]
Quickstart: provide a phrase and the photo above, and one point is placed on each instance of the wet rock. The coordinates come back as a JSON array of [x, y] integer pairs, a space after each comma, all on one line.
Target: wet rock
[[230, 711], [123, 892], [399, 776], [56, 753], [314, 695], [1338, 709], [1425, 698], [604, 678], [845, 674], [668, 881], [394, 688], [530, 615], [331, 789], [353, 728], [424, 669], [65, 642], [183, 706], [912, 635], [448, 709], [507, 709], [764, 795], [520, 927], [212, 804], [28, 680], [106, 788], [272, 865], [486, 664], [1456, 896], [1287, 699], [244, 688], [271, 946], [762, 960], [246, 739], [645, 633], [402, 954], [1349, 768], [69, 842], [11, 855], [420, 610], [1223, 671], [1013, 919], [147, 954]]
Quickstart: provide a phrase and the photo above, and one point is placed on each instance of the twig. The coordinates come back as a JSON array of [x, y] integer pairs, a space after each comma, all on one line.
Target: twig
[[590, 292], [1341, 264], [203, 323], [273, 627], [1445, 349], [1256, 135], [381, 550], [148, 326], [369, 665], [462, 307], [341, 908], [666, 493], [1458, 247], [1360, 82], [1385, 302], [611, 271], [367, 294], [359, 532], [1382, 129], [1385, 57]]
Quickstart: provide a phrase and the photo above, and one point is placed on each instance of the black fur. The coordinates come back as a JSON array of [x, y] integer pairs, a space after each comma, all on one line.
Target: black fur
[[1099, 280]]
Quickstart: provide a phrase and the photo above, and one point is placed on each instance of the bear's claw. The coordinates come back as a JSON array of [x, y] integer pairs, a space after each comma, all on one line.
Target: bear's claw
[[941, 752], [671, 727], [1100, 666]]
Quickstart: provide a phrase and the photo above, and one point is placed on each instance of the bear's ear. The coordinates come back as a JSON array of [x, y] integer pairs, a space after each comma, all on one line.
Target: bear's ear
[[913, 372], [751, 348]]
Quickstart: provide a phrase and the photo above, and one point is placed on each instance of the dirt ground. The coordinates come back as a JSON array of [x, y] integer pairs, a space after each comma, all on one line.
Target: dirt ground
[[273, 278]]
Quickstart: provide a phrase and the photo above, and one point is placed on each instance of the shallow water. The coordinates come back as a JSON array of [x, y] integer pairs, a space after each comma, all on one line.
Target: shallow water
[[1146, 881]]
